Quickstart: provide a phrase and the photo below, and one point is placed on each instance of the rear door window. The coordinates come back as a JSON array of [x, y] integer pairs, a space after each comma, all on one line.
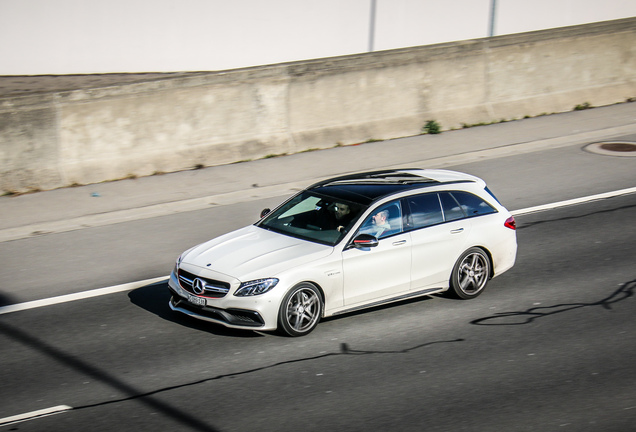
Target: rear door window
[[425, 210]]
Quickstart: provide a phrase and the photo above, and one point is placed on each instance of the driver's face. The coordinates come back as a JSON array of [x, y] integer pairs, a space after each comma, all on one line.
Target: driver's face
[[341, 211]]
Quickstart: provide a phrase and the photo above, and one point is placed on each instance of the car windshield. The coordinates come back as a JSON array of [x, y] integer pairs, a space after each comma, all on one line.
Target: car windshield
[[314, 217]]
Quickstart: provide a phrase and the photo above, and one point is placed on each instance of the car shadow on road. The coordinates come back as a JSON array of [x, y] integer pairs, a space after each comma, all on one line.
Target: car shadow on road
[[625, 291], [154, 298], [5, 300], [385, 306]]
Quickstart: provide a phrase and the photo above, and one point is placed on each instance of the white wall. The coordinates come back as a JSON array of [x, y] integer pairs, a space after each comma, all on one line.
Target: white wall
[[516, 16], [406, 23], [41, 37]]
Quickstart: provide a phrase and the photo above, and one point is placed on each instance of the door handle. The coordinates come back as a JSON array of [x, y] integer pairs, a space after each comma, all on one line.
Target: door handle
[[457, 231], [397, 243]]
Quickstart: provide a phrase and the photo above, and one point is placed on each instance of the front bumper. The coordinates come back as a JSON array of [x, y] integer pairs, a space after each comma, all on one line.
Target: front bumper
[[230, 317], [224, 313]]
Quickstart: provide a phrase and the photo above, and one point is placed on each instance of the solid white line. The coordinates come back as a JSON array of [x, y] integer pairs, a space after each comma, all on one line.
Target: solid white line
[[134, 285], [574, 201], [34, 414], [79, 296]]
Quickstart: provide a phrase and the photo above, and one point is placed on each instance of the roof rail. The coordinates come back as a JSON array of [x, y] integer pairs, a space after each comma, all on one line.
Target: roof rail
[[362, 176]]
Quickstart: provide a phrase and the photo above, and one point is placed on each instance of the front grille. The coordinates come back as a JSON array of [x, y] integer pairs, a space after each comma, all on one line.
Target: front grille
[[212, 288]]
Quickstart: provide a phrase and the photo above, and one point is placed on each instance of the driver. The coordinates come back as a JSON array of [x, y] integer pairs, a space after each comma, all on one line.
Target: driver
[[341, 213]]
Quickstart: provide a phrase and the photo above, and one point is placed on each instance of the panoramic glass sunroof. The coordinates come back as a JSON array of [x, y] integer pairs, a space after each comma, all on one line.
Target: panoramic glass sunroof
[[365, 188], [363, 192]]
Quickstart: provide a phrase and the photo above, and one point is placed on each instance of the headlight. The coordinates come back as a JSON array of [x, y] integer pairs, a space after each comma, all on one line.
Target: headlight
[[176, 265], [256, 287]]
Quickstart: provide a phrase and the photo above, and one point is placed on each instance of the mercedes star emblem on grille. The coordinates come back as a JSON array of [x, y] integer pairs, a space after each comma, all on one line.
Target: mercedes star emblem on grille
[[198, 286]]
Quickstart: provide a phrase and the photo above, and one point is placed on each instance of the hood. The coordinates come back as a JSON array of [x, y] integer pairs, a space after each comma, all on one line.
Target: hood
[[254, 252]]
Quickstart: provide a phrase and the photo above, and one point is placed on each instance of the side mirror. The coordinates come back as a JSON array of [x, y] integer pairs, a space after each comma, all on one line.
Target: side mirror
[[365, 241], [265, 212]]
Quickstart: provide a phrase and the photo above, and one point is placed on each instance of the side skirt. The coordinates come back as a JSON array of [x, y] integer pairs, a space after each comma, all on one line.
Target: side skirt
[[390, 300]]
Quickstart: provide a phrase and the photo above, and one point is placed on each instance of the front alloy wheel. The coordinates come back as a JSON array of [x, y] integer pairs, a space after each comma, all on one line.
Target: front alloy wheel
[[300, 310], [470, 274]]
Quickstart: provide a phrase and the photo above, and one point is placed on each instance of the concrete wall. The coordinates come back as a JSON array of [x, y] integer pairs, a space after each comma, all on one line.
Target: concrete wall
[[92, 135]]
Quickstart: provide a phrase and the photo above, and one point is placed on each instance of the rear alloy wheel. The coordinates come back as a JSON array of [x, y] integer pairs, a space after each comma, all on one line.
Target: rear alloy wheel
[[300, 310], [470, 274]]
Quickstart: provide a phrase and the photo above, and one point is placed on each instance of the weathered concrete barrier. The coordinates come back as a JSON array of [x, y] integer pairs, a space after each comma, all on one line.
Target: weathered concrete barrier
[[92, 135]]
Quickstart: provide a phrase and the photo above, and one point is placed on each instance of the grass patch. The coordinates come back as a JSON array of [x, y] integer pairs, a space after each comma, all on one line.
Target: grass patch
[[432, 127], [583, 106]]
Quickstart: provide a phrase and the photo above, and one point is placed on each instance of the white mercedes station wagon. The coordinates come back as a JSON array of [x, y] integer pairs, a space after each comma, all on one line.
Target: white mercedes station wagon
[[349, 243]]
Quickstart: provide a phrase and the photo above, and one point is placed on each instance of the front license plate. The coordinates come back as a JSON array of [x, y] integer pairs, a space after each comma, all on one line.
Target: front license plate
[[196, 300]]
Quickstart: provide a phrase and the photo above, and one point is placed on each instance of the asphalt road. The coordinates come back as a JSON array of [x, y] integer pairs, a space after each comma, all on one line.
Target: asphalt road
[[549, 345]]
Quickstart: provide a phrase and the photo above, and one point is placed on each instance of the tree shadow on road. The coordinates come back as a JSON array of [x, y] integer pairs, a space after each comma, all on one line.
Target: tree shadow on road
[[528, 316], [150, 398], [77, 364]]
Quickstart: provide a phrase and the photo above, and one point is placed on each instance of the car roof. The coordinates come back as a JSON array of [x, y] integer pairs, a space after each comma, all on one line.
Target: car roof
[[367, 187]]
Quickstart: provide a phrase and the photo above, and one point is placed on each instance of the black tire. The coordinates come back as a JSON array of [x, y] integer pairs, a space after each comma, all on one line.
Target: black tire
[[470, 274], [300, 310]]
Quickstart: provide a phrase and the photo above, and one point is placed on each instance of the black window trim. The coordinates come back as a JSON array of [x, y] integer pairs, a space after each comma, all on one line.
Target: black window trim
[[407, 214]]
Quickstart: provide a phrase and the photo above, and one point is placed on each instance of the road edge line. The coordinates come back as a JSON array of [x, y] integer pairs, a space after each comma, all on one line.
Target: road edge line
[[79, 296], [34, 414], [574, 201]]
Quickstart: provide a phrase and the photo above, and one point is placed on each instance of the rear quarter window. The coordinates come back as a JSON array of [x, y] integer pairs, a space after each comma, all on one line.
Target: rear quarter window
[[472, 205]]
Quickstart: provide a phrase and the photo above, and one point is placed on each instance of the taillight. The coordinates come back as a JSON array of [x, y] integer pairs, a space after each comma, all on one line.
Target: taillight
[[511, 223]]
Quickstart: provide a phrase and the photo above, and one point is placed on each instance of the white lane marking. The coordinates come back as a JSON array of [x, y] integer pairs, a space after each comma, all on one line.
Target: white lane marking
[[79, 296], [34, 414], [134, 285], [574, 201]]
